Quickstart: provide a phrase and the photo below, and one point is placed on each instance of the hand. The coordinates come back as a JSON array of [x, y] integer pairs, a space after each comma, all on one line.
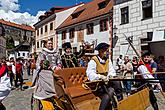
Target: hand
[[104, 78], [57, 69]]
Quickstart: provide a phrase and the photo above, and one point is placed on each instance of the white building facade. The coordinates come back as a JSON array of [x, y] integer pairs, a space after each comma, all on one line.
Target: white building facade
[[81, 33], [45, 28], [90, 23], [137, 19]]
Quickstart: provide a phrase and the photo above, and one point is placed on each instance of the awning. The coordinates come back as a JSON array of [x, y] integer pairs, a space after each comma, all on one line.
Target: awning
[[158, 36], [158, 43]]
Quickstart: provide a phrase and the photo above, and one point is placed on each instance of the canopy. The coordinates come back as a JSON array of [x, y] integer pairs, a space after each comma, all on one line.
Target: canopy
[[157, 44]]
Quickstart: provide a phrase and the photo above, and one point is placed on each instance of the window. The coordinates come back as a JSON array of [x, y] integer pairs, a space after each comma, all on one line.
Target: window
[[147, 9], [46, 28], [60, 51], [103, 25], [74, 49], [51, 39], [145, 46], [41, 30], [18, 54], [71, 33], [51, 26], [24, 37], [102, 5], [37, 32], [76, 14], [37, 44], [23, 54], [63, 35], [89, 28], [124, 15]]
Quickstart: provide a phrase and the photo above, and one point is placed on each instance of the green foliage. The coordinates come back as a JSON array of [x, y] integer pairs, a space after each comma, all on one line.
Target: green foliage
[[9, 46]]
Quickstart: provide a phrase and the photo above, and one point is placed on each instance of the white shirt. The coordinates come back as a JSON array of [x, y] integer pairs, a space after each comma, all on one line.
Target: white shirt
[[144, 71], [91, 70], [13, 67]]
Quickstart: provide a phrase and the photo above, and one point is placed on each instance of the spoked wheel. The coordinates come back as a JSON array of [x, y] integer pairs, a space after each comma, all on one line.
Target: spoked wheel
[[36, 104]]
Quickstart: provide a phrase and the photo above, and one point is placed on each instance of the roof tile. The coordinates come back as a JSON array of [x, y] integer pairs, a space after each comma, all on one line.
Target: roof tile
[[91, 10], [24, 27]]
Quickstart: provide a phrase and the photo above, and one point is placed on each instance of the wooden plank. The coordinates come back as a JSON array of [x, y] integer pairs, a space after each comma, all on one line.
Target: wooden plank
[[137, 101]]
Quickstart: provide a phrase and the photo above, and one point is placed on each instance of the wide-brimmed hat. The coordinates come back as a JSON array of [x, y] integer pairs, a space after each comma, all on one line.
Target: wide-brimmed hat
[[102, 46], [146, 53], [66, 45]]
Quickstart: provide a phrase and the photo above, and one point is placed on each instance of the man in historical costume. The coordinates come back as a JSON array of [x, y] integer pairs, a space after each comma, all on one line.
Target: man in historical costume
[[19, 74], [146, 71], [69, 59], [11, 70], [5, 85], [47, 63], [100, 67]]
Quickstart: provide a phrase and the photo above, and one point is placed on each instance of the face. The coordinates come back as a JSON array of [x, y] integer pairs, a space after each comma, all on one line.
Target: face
[[49, 45], [68, 50], [103, 53], [126, 59], [146, 58]]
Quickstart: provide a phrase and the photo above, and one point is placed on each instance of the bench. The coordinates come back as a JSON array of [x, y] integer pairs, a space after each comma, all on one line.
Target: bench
[[73, 78], [84, 99]]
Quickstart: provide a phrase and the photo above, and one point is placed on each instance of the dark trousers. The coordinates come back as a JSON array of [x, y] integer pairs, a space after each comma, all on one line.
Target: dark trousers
[[2, 107], [127, 86], [107, 94], [11, 75], [28, 71], [19, 77]]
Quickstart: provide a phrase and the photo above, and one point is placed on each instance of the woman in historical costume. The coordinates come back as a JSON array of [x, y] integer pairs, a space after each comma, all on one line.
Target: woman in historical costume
[[47, 63], [5, 85]]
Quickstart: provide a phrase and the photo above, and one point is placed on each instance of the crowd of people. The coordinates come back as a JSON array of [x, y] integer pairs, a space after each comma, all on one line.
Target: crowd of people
[[11, 76], [129, 68]]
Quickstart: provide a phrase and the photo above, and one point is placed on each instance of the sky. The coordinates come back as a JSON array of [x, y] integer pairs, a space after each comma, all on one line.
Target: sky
[[28, 11]]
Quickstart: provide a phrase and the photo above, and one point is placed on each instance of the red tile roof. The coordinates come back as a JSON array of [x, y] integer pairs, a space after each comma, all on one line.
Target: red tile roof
[[88, 11], [24, 27], [56, 9]]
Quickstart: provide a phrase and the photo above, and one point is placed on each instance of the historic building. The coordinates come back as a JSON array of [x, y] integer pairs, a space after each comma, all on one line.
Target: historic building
[[45, 27], [2, 42], [91, 23], [138, 19], [17, 36]]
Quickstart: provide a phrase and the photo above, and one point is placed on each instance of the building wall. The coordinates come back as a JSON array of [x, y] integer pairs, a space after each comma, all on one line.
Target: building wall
[[137, 27], [96, 37], [57, 20], [23, 54], [18, 36], [2, 47], [45, 35]]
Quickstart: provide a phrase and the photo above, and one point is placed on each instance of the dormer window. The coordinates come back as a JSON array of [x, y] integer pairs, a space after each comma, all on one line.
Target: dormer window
[[102, 5], [76, 14]]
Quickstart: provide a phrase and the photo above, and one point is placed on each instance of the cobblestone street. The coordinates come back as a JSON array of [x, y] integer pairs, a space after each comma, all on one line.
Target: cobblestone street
[[20, 100]]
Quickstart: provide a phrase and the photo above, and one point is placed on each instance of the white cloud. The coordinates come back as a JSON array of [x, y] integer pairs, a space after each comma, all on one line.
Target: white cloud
[[9, 5], [9, 11]]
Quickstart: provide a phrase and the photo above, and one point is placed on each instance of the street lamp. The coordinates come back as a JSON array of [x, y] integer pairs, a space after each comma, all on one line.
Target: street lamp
[[115, 37], [114, 40]]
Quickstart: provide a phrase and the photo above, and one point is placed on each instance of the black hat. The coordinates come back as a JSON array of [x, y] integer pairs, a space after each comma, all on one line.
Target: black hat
[[66, 45], [146, 53], [102, 46]]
